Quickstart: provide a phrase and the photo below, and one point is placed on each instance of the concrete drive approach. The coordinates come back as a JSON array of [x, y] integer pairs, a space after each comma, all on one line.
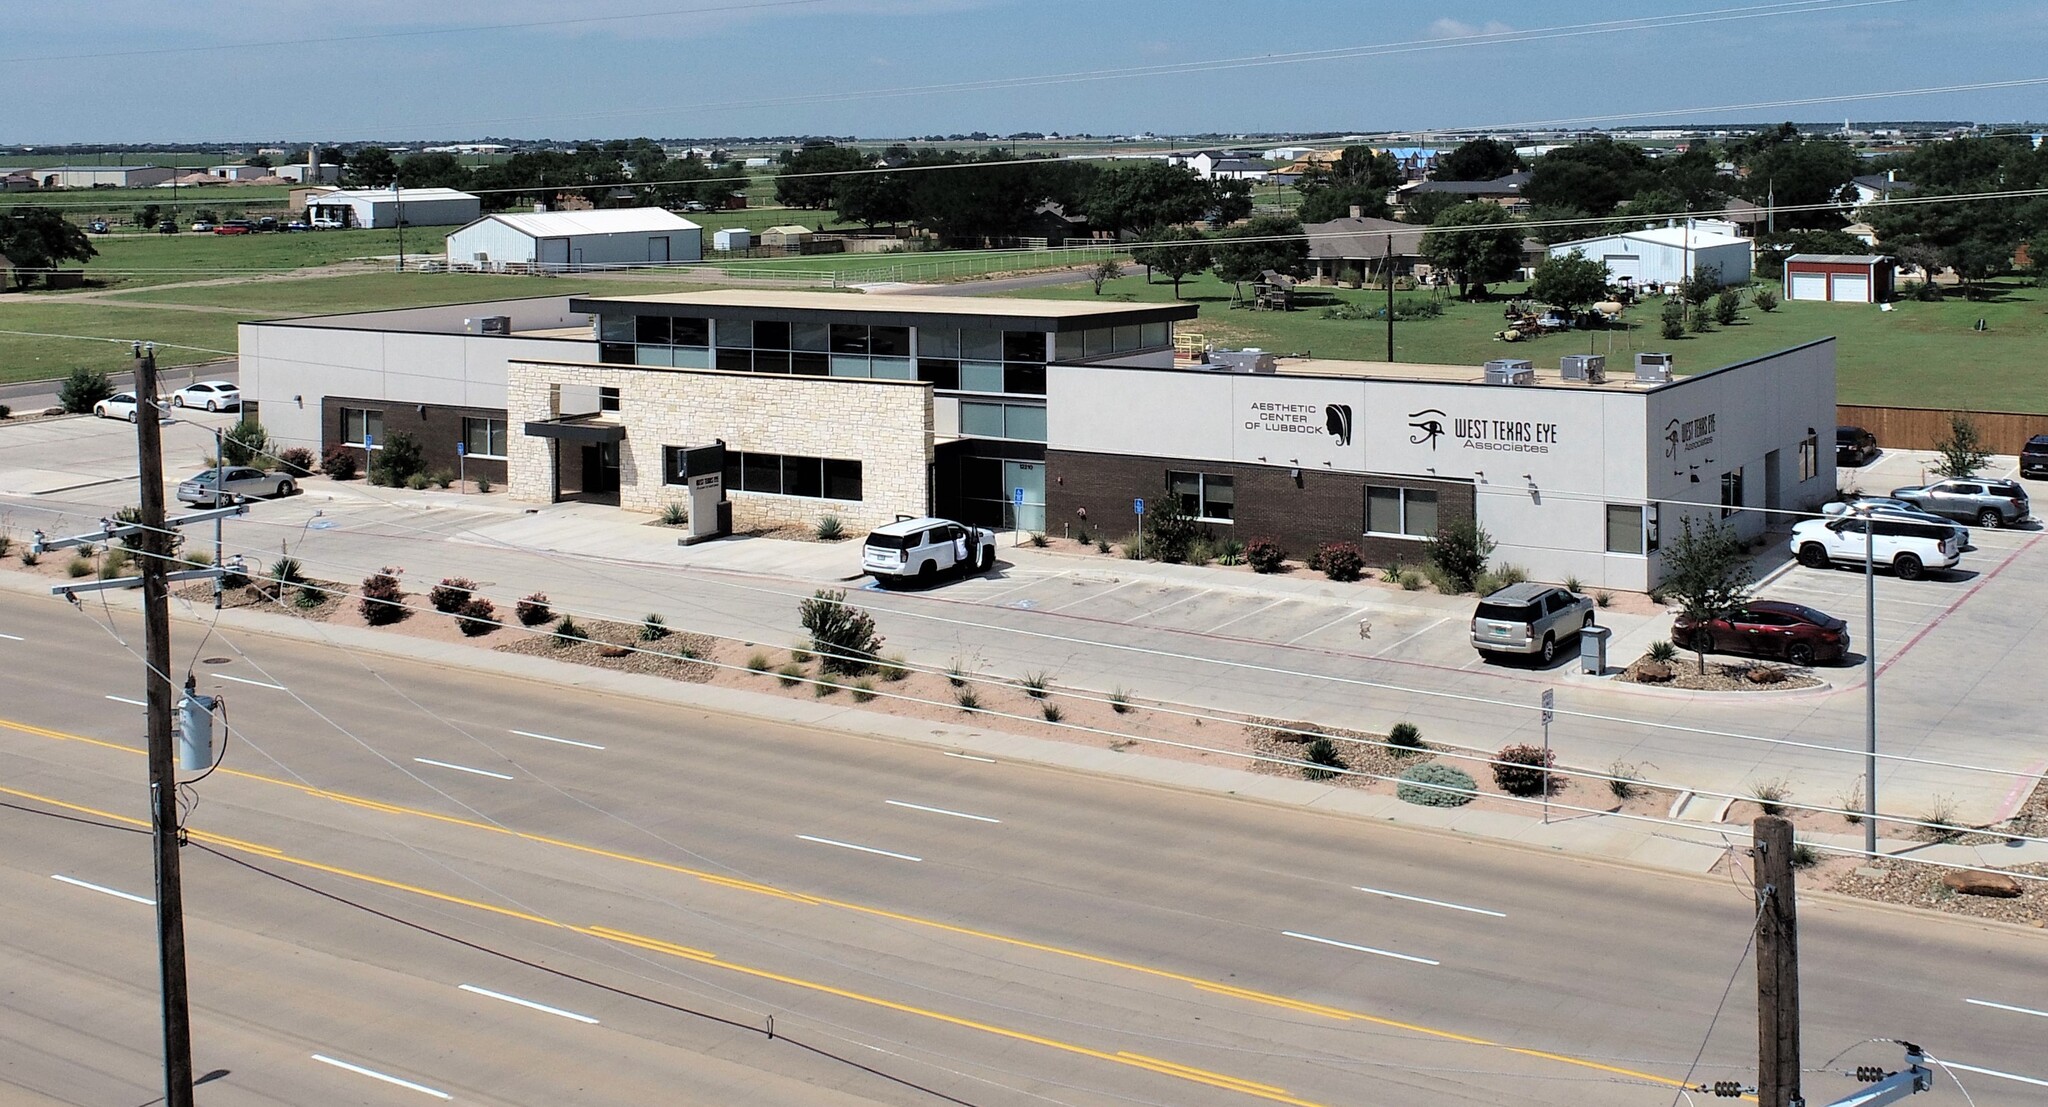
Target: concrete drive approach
[[994, 932]]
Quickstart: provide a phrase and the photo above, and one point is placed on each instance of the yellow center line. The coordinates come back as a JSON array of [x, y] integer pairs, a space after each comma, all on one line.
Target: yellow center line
[[1216, 987]]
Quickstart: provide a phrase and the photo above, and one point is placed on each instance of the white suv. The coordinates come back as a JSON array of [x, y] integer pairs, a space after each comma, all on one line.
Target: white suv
[[921, 549], [1909, 546]]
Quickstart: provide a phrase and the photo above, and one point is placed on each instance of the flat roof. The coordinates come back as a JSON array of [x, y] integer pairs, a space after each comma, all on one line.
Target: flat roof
[[1621, 376], [891, 308]]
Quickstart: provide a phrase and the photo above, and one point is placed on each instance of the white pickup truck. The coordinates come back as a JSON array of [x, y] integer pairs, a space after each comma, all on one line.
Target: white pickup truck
[[921, 549]]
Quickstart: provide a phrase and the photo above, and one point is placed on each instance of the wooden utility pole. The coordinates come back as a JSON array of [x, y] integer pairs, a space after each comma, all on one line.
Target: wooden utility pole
[[1387, 268], [156, 546], [1777, 965]]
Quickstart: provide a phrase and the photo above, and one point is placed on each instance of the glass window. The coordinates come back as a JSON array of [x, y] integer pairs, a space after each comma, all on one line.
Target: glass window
[[810, 365], [771, 336], [771, 361], [651, 330], [688, 357], [1382, 510], [1023, 346], [814, 337], [981, 345], [889, 341], [607, 399], [1187, 488], [654, 355], [892, 368], [981, 376], [849, 338], [849, 365], [1126, 337], [483, 437], [615, 353], [1066, 346], [1405, 511], [761, 472], [981, 420], [1731, 492], [1204, 495], [1152, 335], [1809, 457], [732, 470], [360, 425], [803, 476], [735, 361], [939, 373], [938, 342], [842, 480], [1025, 380], [1098, 342], [690, 332], [735, 334], [1419, 515], [1025, 424], [615, 328], [1624, 529]]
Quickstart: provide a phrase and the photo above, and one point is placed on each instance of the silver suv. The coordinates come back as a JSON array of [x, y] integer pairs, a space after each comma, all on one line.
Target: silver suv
[[1989, 502], [1530, 620]]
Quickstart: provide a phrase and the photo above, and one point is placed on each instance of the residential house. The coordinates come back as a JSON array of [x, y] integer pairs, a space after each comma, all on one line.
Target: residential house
[[1505, 191]]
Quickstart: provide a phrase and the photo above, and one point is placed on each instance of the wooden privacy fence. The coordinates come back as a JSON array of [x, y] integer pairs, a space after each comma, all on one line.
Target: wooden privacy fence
[[1921, 428]]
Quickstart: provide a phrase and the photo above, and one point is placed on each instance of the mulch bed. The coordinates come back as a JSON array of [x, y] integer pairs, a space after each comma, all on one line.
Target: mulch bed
[[1276, 738], [1719, 677], [668, 657]]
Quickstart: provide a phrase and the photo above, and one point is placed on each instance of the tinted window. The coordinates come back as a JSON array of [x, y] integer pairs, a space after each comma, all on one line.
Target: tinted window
[[889, 341], [651, 328], [690, 332], [771, 336], [892, 541], [1508, 612]]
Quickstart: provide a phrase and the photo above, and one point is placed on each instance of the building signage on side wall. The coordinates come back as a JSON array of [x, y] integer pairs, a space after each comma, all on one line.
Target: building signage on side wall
[[1682, 436], [1333, 420], [1507, 435]]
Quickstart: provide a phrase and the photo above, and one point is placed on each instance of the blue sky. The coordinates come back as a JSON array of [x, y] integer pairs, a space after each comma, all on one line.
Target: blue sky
[[342, 70]]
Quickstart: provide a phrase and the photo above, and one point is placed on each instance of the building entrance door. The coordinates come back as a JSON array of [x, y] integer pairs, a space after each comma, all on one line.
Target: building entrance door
[[1772, 500], [1029, 476], [598, 481]]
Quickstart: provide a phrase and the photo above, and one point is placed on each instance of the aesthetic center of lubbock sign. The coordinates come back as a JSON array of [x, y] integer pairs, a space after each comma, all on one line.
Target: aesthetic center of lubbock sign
[[1333, 420]]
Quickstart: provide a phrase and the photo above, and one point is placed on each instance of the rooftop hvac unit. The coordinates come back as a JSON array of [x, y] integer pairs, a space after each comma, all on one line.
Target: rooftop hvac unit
[[1591, 368], [1653, 367], [1243, 361], [1510, 370], [489, 324]]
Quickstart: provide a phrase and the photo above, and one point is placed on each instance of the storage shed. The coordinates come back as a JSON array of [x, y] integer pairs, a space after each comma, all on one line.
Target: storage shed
[[733, 238], [566, 241], [380, 207], [1665, 255], [792, 236], [1839, 278]]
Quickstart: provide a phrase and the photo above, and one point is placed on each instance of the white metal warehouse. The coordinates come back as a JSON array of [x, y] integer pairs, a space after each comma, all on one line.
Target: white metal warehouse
[[385, 207], [565, 241], [1664, 255]]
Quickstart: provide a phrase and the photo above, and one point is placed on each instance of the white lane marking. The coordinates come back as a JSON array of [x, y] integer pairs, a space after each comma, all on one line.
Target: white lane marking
[[1164, 606], [124, 699], [1994, 1072], [1086, 599], [1361, 949], [585, 1019], [13, 637], [552, 738], [1348, 617], [2008, 1007], [1246, 615], [257, 683], [1431, 902], [863, 849], [941, 811], [1425, 630], [969, 757], [385, 1077], [107, 891], [460, 768]]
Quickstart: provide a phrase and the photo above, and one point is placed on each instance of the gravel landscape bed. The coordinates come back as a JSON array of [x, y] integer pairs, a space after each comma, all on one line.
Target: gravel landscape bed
[[1719, 677]]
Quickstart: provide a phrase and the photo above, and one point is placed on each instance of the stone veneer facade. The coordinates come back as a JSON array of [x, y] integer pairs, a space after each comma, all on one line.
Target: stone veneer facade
[[886, 425]]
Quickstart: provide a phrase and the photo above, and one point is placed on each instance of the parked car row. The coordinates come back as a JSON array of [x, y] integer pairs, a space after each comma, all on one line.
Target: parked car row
[[210, 395]]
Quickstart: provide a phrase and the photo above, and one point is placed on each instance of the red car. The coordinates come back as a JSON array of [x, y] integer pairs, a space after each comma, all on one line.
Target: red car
[[235, 226], [1768, 628]]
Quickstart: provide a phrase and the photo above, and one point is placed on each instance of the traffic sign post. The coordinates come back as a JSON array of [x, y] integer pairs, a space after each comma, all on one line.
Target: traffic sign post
[[1549, 709], [1017, 516], [462, 465]]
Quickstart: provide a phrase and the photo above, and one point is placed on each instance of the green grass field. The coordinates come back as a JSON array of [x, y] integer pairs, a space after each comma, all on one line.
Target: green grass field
[[1917, 355]]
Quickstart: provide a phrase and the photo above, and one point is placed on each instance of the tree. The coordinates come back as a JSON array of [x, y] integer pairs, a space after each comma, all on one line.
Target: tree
[[395, 459], [1813, 172], [1233, 202], [246, 443], [1424, 207], [35, 239], [806, 178], [1108, 269], [1773, 249], [1174, 251], [260, 160], [433, 170], [1482, 159], [1701, 286], [1592, 176], [149, 215], [82, 389], [1269, 242], [1459, 551], [1962, 449], [1706, 573], [1477, 242], [1150, 194], [371, 167], [1325, 204], [1568, 281]]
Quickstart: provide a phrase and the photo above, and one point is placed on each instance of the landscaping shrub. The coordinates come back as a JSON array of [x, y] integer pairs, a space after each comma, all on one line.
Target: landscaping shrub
[[567, 633], [28, 556], [6, 544], [967, 700], [476, 616], [1405, 735], [1672, 321], [842, 635], [790, 675], [339, 463], [1519, 770], [451, 594], [894, 669], [830, 528], [863, 690], [417, 482], [307, 598], [483, 485], [1201, 551], [1622, 780], [1230, 552], [1603, 598], [1323, 760], [674, 514], [1169, 531], [1102, 545], [1265, 555], [287, 571], [1495, 579], [1035, 685], [441, 478], [296, 461], [1436, 785], [397, 460], [5, 411], [1038, 540], [246, 443], [383, 602], [82, 389], [652, 629], [1119, 701], [1338, 561], [1770, 796], [822, 688], [1051, 711], [758, 662], [534, 610], [78, 567], [1727, 307], [1662, 650], [1765, 300], [1459, 552]]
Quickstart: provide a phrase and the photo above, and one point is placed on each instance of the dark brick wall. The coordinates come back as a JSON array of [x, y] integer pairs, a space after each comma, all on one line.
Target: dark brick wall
[[437, 430], [1319, 507]]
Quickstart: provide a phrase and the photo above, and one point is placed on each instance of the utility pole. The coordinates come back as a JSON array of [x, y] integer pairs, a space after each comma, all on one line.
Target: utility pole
[[1777, 965], [1389, 273]]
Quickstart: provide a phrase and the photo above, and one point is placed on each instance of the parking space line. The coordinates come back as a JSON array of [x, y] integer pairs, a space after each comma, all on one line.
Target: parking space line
[[1412, 637], [1348, 616], [1085, 599], [1164, 606], [1246, 615], [125, 699], [1995, 1072], [256, 683], [2008, 1007], [129, 896], [1022, 586], [1987, 578]]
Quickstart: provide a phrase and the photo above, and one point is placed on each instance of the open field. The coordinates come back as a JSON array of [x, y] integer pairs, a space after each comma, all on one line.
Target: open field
[[83, 204], [140, 260], [1917, 355]]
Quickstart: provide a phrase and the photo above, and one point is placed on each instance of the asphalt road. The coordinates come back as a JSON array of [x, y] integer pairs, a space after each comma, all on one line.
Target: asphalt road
[[28, 396], [994, 932]]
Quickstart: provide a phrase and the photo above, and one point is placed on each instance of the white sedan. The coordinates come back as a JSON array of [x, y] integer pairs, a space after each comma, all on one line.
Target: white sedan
[[211, 395], [121, 405]]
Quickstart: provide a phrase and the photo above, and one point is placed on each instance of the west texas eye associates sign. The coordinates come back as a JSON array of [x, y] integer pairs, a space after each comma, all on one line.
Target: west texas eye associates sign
[[1507, 435]]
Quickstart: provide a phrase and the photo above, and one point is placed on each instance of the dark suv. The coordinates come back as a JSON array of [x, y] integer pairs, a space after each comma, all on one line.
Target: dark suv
[[1854, 446], [1989, 502], [2034, 457]]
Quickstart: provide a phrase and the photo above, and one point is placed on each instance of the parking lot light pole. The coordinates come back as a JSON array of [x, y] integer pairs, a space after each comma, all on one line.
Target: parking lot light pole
[[1869, 686]]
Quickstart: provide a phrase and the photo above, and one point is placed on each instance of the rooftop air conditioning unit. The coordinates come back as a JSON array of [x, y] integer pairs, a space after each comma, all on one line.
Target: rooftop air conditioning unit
[[489, 324], [1591, 368], [1653, 367], [1510, 370], [1251, 360]]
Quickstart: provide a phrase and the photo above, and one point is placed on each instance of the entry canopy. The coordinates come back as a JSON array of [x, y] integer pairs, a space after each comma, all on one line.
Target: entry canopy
[[571, 431]]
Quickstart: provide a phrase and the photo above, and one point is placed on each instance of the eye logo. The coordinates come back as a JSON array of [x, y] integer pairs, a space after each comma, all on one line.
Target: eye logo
[[1337, 420], [1428, 424], [1671, 440]]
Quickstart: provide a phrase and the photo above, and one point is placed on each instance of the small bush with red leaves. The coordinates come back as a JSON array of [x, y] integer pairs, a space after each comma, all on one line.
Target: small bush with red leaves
[[449, 595], [1265, 555], [476, 616], [383, 601], [534, 610], [339, 463], [1340, 561], [296, 460], [1520, 770]]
